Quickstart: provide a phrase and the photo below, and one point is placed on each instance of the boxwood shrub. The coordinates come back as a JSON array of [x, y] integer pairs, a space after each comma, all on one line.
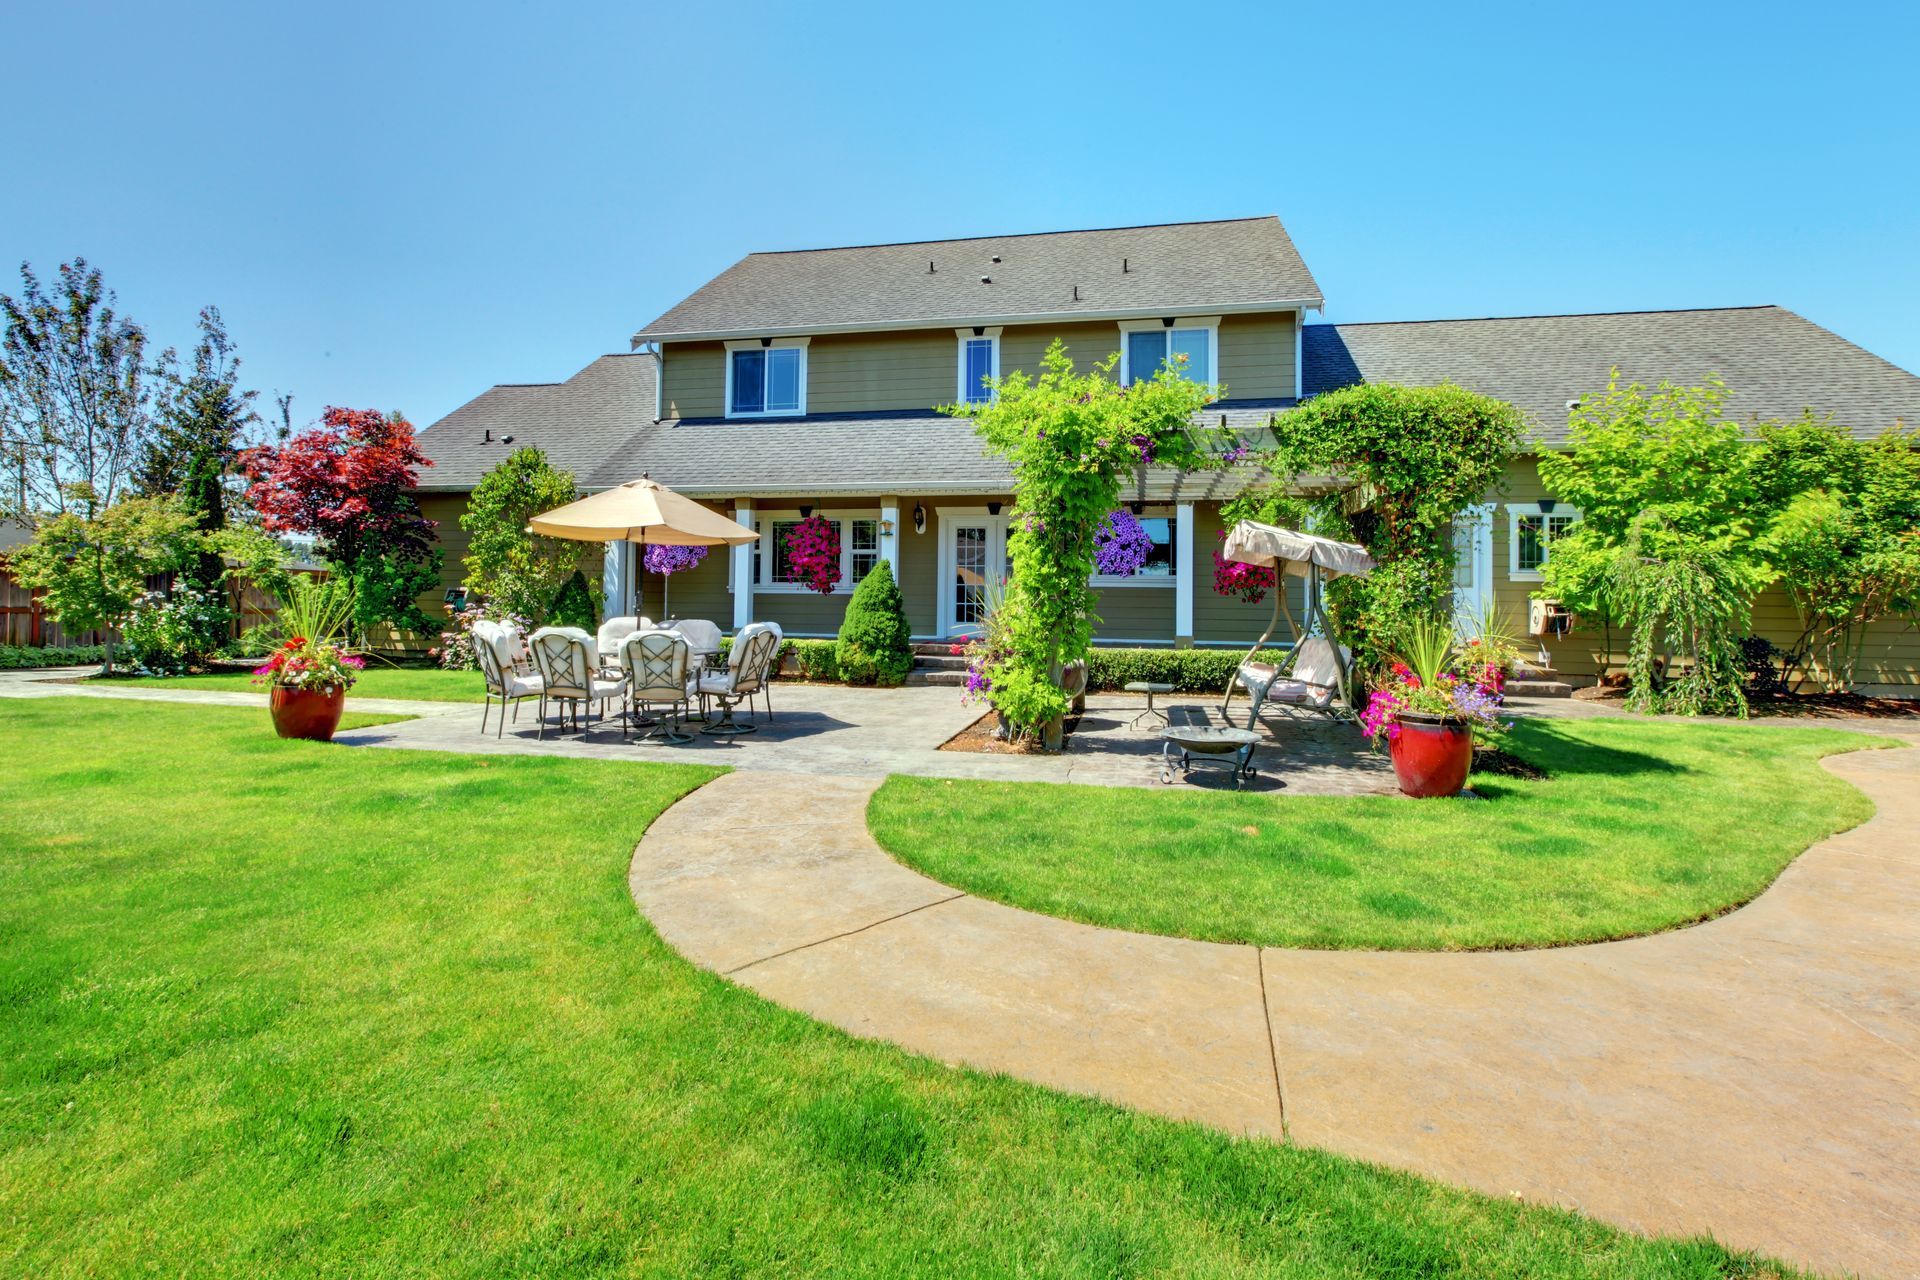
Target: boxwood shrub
[[1187, 670]]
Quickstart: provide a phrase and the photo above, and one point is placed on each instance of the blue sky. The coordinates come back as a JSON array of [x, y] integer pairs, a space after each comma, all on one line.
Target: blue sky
[[398, 205]]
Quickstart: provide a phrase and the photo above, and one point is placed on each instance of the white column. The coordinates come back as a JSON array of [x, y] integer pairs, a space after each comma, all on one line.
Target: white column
[[1183, 538], [890, 534], [743, 568], [616, 576]]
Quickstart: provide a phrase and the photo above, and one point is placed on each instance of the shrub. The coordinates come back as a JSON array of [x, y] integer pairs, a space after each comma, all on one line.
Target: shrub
[[20, 657], [1187, 670], [875, 644], [573, 606], [168, 634]]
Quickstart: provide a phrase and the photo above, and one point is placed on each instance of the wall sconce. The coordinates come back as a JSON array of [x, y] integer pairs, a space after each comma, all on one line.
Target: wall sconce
[[1136, 507], [919, 518], [806, 510], [993, 508], [886, 528]]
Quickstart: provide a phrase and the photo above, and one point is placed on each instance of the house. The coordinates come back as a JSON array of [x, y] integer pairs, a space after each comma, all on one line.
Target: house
[[806, 381]]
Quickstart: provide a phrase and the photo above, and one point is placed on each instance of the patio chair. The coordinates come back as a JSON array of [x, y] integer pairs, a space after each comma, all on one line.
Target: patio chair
[[570, 673], [773, 671], [493, 645], [658, 665], [744, 676], [614, 632], [1312, 683], [703, 637]]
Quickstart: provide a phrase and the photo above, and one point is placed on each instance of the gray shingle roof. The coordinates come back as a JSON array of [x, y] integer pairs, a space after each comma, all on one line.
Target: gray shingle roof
[[1188, 266], [1774, 362], [579, 423]]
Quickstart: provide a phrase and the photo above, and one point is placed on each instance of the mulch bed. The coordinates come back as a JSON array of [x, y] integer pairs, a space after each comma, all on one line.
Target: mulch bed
[[1498, 763], [1819, 706], [978, 737]]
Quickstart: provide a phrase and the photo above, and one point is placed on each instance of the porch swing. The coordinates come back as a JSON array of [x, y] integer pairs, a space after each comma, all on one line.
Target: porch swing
[[1315, 675]]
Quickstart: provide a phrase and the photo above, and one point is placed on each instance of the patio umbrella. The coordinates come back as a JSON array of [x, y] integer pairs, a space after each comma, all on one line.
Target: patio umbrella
[[1300, 555], [642, 511]]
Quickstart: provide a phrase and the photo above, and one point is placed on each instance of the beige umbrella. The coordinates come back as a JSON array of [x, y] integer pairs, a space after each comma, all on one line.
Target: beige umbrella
[[642, 511]]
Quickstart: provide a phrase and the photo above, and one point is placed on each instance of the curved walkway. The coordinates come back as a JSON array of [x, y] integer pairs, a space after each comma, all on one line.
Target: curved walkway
[[1756, 1078]]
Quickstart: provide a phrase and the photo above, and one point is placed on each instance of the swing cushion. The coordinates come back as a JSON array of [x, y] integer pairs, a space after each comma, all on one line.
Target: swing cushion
[[1316, 675]]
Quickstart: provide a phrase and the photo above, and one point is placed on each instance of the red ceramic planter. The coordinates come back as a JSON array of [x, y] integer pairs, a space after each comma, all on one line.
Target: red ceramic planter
[[1431, 757], [306, 713]]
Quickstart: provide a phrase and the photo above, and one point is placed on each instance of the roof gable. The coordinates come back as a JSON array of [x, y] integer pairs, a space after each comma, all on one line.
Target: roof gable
[[1245, 264]]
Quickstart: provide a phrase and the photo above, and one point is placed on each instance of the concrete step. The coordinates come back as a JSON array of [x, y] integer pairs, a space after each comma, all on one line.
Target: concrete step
[[934, 648], [942, 662], [1534, 688], [954, 679]]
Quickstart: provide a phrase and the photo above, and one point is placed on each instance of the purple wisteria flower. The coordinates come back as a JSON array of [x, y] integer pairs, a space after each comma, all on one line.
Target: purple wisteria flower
[[664, 559], [1121, 545], [1143, 445]]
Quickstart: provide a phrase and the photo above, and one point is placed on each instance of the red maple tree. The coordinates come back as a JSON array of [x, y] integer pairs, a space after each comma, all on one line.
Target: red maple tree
[[346, 482]]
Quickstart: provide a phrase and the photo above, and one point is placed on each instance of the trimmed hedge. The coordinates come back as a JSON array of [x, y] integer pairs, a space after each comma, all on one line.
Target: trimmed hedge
[[20, 657], [1187, 670], [814, 658]]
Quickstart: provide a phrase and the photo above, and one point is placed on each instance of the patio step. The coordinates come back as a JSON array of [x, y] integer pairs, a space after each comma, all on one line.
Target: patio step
[[1539, 689], [920, 677], [940, 662], [933, 648]]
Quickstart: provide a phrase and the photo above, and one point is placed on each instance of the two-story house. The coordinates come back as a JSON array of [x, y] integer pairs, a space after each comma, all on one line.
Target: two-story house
[[799, 382]]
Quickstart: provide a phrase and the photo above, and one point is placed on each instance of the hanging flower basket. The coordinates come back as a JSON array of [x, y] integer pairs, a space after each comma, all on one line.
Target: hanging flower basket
[[1250, 582], [666, 561], [813, 549], [1121, 545]]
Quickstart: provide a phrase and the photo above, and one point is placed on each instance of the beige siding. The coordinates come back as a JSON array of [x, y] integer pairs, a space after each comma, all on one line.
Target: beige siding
[[919, 567], [700, 592], [1256, 356], [693, 379], [1130, 615], [917, 369], [1890, 662]]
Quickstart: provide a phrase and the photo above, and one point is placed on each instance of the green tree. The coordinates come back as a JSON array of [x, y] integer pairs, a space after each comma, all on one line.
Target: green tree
[[203, 421], [1405, 461], [93, 567], [875, 644], [1843, 536], [574, 604], [1667, 462], [76, 399], [506, 564], [1071, 438], [1686, 606]]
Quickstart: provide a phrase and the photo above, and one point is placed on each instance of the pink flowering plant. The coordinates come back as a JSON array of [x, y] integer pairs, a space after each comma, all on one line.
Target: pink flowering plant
[[813, 549], [1437, 679], [1249, 582], [313, 616]]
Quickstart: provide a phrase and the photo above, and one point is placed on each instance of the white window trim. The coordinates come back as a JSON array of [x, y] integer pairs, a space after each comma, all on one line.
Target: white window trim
[[763, 524], [765, 344], [1515, 510], [1152, 511], [962, 338], [1210, 323]]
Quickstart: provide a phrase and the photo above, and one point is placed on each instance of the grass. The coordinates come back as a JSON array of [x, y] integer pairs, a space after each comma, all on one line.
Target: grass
[[296, 1009], [1638, 827], [412, 684]]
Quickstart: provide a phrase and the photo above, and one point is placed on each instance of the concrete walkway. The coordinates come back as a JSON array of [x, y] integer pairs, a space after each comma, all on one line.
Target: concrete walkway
[[1756, 1078]]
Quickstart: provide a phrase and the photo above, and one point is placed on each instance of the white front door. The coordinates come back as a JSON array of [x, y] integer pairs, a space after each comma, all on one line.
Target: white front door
[[1472, 565], [973, 553]]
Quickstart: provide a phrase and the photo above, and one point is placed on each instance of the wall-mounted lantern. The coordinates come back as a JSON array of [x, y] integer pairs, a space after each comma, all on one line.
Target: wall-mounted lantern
[[919, 518]]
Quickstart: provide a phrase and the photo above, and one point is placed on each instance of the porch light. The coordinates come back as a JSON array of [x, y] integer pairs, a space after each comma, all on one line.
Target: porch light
[[1547, 505], [806, 509], [919, 518], [886, 528], [1136, 507], [993, 508]]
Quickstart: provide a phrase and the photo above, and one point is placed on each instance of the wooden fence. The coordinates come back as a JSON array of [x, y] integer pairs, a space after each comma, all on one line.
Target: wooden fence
[[24, 619]]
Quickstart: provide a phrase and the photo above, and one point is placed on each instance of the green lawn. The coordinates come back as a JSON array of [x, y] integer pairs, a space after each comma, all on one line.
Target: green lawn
[[415, 684], [1638, 827], [295, 1009]]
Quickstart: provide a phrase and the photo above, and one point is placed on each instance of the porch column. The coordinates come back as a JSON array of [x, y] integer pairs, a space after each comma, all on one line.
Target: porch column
[[890, 534], [616, 580], [1183, 536], [743, 567]]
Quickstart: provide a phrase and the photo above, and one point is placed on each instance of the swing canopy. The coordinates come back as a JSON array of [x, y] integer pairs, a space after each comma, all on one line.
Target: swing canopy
[[1297, 554]]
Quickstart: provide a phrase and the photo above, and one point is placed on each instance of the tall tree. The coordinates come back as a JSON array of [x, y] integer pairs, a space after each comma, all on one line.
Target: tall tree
[[204, 419], [507, 564], [349, 484], [76, 400]]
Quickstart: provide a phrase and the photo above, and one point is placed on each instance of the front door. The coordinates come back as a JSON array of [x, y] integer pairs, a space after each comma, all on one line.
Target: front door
[[1472, 566], [973, 556]]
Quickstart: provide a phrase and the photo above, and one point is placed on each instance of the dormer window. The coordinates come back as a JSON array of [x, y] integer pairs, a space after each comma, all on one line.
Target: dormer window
[[1190, 344], [767, 377], [979, 361]]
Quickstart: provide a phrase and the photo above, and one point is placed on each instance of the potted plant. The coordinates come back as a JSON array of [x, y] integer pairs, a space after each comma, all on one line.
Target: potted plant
[[308, 676], [1428, 711]]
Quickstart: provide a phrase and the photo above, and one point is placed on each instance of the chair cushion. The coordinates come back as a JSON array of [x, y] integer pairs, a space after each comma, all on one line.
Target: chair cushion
[[1297, 693], [716, 682], [523, 686], [1316, 663], [608, 688]]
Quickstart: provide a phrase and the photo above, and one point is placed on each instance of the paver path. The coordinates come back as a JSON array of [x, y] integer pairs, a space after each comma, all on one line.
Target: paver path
[[1757, 1077]]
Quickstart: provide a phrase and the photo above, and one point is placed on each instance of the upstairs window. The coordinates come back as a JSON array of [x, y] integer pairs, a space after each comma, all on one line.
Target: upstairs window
[[1188, 345], [1530, 536], [764, 381], [979, 361]]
